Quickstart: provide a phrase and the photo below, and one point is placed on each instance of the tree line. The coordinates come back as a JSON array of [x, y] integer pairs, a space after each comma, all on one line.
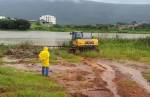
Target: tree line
[[17, 24]]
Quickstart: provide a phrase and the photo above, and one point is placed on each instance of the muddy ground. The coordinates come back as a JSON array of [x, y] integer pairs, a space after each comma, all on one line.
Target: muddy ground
[[95, 77]]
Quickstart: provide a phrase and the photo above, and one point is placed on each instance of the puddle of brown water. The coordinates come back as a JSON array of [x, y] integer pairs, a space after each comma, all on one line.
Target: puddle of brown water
[[134, 74]]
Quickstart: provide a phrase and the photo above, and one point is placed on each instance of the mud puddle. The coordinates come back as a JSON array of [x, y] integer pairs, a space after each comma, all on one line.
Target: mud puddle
[[136, 76], [82, 80]]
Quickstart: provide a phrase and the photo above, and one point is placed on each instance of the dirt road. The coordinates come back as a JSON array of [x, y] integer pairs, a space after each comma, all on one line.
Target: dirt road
[[97, 78]]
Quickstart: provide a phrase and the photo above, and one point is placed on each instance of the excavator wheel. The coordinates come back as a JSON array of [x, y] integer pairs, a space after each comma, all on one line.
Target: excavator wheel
[[72, 50]]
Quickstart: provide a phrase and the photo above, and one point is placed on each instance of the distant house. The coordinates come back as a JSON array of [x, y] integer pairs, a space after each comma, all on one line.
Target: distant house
[[47, 19], [3, 17]]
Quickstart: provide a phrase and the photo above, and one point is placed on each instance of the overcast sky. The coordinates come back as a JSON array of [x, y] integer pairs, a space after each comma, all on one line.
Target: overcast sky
[[125, 1], [106, 1], [114, 1]]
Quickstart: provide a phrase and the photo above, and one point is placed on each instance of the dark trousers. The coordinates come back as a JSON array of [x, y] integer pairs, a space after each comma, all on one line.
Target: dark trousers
[[45, 71]]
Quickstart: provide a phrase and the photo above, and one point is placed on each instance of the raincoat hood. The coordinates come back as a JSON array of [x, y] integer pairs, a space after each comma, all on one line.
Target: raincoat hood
[[45, 48]]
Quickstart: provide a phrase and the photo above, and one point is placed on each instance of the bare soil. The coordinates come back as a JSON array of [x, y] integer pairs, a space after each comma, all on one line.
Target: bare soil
[[97, 78]]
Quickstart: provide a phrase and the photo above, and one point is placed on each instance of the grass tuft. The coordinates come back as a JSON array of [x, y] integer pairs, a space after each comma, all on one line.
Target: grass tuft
[[147, 76]]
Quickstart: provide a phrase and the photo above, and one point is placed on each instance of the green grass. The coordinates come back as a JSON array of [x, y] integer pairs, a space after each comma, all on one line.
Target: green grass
[[3, 50], [54, 56], [1, 61], [14, 83], [38, 27], [147, 76], [70, 57], [64, 53], [64, 28], [137, 50]]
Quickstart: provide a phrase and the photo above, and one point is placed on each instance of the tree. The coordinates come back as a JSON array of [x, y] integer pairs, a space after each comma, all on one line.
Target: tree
[[22, 24]]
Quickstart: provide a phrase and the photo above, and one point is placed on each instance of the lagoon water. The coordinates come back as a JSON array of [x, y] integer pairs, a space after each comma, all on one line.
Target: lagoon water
[[55, 38]]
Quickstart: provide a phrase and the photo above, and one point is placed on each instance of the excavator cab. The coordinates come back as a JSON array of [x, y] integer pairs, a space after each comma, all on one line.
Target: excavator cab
[[76, 35]]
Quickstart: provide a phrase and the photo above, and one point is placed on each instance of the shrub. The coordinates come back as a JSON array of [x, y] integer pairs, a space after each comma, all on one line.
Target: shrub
[[18, 24]]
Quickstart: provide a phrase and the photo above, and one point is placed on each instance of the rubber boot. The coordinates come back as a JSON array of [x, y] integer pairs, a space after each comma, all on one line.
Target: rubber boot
[[47, 71], [43, 71]]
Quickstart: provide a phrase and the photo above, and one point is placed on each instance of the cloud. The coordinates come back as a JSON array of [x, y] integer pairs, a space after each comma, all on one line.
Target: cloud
[[106, 1], [124, 1], [66, 0]]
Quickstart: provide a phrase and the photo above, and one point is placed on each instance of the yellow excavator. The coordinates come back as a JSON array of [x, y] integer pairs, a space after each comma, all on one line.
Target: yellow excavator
[[83, 42]]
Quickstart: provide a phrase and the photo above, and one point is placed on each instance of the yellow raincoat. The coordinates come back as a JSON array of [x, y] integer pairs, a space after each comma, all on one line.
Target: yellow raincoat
[[44, 57]]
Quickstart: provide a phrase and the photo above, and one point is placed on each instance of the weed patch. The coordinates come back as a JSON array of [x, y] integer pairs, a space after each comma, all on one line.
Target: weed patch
[[69, 57]]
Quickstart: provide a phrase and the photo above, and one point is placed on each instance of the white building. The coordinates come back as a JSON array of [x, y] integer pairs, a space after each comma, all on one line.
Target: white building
[[48, 19], [3, 17]]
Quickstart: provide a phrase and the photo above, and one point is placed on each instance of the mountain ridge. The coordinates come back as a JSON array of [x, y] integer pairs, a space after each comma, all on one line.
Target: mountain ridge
[[86, 12]]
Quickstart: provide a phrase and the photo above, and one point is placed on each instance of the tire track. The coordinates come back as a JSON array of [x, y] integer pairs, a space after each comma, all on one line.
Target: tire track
[[108, 76]]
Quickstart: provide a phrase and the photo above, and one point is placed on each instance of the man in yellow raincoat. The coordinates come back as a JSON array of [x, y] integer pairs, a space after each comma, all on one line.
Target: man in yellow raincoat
[[44, 57]]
